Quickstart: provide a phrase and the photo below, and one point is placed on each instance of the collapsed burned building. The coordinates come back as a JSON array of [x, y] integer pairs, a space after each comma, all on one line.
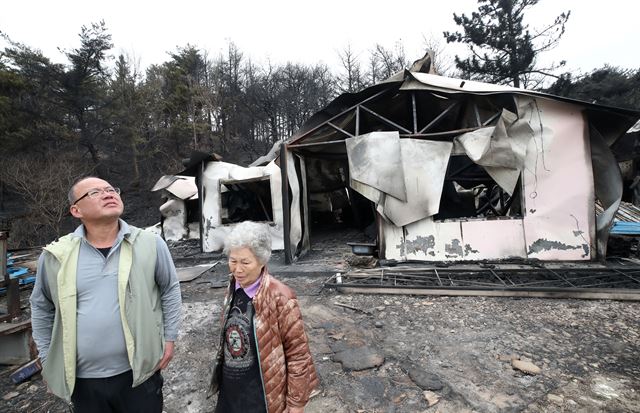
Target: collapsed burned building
[[232, 194], [432, 168], [448, 169], [209, 197]]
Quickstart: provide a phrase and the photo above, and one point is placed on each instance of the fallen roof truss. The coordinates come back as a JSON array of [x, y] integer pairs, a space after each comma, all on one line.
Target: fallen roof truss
[[620, 282]]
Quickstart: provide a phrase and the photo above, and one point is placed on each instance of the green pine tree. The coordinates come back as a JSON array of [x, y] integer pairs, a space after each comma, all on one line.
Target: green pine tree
[[503, 48]]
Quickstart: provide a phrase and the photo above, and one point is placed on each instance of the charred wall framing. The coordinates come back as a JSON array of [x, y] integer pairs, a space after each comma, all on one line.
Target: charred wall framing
[[417, 121], [420, 115]]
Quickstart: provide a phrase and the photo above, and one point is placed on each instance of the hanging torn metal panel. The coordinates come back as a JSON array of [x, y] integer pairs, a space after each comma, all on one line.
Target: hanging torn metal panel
[[423, 166], [295, 214], [374, 160], [409, 172]]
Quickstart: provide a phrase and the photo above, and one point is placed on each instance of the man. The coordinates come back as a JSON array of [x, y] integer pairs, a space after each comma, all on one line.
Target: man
[[105, 309]]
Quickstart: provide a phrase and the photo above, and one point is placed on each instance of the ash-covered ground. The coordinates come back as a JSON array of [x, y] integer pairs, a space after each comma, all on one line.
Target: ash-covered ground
[[398, 353], [384, 355]]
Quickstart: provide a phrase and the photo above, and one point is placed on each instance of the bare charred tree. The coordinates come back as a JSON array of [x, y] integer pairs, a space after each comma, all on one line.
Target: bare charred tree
[[208, 99], [442, 62], [390, 61], [268, 102], [324, 87], [306, 89], [255, 140], [228, 83], [128, 113], [43, 182], [351, 79]]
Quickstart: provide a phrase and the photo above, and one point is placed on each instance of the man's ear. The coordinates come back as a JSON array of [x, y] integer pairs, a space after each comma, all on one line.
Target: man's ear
[[75, 211]]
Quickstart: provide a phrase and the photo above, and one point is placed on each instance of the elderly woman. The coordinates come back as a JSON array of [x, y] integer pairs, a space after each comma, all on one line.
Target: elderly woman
[[263, 363]]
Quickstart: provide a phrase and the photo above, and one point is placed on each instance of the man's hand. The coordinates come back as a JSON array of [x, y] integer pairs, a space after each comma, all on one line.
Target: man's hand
[[167, 356], [295, 410]]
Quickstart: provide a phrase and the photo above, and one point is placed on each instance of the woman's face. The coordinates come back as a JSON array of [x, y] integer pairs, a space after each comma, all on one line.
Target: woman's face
[[244, 266]]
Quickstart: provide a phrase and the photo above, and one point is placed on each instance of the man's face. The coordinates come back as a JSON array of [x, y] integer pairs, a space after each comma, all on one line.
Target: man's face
[[104, 207]]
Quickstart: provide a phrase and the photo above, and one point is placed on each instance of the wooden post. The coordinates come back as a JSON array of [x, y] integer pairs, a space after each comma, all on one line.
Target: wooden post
[[201, 194], [13, 286]]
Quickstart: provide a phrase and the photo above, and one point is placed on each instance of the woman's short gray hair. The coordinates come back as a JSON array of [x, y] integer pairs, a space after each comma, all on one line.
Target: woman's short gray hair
[[250, 235]]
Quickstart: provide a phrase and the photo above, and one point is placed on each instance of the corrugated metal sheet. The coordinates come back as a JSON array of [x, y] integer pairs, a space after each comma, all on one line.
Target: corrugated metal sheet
[[625, 228], [627, 212], [626, 220]]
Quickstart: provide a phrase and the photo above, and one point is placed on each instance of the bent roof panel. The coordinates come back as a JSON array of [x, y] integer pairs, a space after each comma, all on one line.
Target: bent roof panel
[[611, 120]]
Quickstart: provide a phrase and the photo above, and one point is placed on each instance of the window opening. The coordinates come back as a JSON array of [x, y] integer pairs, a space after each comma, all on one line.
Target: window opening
[[248, 200], [470, 192]]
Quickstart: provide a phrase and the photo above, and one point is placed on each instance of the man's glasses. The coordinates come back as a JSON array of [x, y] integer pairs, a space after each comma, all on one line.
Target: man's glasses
[[96, 192]]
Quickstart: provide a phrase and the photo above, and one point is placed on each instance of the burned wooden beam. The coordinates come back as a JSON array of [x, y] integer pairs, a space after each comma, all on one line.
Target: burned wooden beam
[[11, 284]]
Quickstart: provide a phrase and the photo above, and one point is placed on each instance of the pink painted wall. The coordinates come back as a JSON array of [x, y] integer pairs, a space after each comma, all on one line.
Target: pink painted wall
[[558, 201]]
